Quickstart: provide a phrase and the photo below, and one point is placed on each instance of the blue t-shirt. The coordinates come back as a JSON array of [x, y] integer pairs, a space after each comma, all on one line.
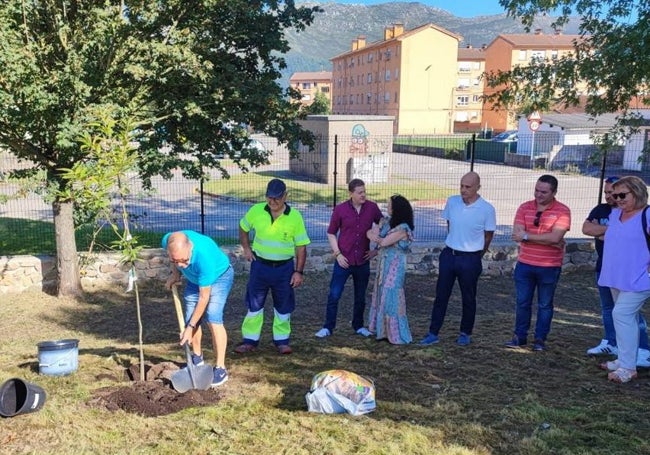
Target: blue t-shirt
[[207, 262]]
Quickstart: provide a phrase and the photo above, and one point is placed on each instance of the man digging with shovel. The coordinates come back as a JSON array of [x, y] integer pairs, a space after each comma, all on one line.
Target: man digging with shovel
[[209, 277]]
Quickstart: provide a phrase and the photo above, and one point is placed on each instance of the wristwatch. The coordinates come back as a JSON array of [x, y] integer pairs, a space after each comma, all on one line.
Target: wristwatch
[[525, 237]]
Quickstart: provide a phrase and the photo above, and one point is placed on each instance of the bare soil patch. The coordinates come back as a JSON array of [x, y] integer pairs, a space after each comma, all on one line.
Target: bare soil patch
[[153, 397]]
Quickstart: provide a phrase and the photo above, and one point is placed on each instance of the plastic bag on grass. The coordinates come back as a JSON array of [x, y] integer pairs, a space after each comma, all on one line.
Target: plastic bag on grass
[[339, 391]]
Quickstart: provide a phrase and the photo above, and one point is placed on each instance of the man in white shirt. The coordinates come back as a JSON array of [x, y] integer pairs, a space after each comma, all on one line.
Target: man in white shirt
[[471, 222]]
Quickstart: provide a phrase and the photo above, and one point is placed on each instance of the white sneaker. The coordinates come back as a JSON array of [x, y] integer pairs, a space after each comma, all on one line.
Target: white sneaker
[[603, 348], [364, 332], [322, 333], [643, 358]]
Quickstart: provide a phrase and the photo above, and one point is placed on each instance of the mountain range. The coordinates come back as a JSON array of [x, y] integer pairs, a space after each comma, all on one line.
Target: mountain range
[[334, 29]]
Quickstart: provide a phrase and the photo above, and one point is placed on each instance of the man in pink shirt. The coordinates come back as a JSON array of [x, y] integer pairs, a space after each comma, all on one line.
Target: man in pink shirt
[[539, 227]]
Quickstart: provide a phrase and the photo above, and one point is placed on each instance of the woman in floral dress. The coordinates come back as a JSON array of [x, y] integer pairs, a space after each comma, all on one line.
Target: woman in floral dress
[[393, 237]]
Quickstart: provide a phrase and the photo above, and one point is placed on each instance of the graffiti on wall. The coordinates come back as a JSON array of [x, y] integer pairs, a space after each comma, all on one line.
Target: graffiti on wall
[[359, 143]]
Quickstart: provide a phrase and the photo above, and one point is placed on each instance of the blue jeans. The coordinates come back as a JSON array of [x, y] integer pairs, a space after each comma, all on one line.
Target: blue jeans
[[360, 277], [467, 269], [527, 279], [218, 296], [606, 307]]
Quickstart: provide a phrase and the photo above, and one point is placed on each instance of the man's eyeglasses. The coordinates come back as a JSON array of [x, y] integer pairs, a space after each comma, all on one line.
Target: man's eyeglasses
[[538, 215], [179, 261], [620, 195]]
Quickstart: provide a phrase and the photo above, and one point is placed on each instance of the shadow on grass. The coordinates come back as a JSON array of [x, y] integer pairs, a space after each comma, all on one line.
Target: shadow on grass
[[484, 396]]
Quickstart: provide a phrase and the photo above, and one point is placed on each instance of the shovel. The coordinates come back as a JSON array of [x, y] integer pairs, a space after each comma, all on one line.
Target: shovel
[[190, 377]]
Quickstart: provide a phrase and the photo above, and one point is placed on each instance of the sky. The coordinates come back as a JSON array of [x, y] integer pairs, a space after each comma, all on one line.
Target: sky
[[461, 8]]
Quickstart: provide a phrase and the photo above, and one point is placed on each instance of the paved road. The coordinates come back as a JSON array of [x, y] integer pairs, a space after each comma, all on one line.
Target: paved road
[[177, 204]]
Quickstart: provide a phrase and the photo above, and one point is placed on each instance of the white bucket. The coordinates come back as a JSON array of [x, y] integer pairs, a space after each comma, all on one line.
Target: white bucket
[[58, 358]]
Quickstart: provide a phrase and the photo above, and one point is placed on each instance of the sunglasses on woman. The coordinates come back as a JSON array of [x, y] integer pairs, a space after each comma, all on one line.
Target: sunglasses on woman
[[620, 196]]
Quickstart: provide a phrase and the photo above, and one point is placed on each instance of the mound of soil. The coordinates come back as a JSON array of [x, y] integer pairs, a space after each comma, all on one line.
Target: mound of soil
[[153, 397]]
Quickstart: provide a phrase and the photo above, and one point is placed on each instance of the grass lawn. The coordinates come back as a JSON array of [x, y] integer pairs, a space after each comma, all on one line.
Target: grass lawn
[[21, 236], [252, 187], [450, 142], [444, 399]]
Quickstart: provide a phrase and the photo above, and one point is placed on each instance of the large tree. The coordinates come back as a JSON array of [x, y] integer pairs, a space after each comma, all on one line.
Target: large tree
[[608, 72], [192, 72]]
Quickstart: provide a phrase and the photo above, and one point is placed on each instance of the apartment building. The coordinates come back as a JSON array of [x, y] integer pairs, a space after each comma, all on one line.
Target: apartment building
[[310, 83], [507, 51], [410, 75], [468, 102]]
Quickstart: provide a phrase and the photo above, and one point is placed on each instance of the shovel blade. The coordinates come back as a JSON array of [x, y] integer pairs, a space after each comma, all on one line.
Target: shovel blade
[[182, 380], [192, 376], [202, 376]]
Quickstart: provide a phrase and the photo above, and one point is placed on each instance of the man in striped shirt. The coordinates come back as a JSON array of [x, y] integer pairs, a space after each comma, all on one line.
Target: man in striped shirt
[[539, 227]]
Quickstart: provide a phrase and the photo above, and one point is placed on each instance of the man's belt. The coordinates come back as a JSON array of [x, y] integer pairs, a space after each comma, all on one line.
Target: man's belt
[[463, 253], [272, 263]]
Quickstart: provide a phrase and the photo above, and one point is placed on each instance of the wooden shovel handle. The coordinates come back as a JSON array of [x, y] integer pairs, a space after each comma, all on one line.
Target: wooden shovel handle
[[179, 310]]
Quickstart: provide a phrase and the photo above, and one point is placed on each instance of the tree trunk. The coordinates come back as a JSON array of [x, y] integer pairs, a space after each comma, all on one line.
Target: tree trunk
[[67, 263]]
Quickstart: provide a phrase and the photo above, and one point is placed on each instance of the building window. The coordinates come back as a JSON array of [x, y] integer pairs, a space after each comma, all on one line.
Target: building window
[[462, 100], [370, 56], [387, 76], [476, 98], [325, 89], [537, 55], [395, 97], [306, 85], [476, 65], [476, 81], [369, 78], [306, 97], [396, 73], [522, 55], [463, 84], [386, 97], [368, 98], [464, 67], [554, 54], [351, 99]]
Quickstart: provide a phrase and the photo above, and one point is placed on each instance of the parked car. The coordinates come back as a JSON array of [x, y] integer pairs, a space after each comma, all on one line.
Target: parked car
[[506, 136], [254, 145]]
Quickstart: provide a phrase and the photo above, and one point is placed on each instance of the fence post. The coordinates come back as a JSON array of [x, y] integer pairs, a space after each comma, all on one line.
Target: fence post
[[336, 151], [603, 167], [472, 148]]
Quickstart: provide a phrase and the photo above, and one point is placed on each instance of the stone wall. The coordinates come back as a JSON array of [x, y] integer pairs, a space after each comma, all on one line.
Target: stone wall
[[21, 273]]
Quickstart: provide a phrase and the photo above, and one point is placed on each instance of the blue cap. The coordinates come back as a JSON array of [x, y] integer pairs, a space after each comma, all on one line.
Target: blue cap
[[276, 188]]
